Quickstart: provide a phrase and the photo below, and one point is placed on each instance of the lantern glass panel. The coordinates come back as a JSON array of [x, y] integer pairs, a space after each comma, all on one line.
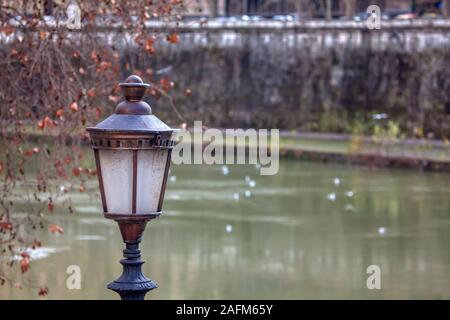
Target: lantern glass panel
[[150, 175], [117, 174]]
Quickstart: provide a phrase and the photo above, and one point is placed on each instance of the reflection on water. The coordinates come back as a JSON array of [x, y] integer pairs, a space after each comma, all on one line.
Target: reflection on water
[[286, 238]]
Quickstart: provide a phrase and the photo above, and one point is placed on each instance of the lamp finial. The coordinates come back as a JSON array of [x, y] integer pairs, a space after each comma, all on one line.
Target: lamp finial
[[133, 90]]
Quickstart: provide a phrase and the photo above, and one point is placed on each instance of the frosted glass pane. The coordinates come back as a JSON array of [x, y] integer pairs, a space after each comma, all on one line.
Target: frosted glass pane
[[150, 174], [117, 173]]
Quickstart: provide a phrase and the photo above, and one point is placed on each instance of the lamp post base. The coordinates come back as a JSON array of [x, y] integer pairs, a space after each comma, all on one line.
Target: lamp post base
[[132, 284]]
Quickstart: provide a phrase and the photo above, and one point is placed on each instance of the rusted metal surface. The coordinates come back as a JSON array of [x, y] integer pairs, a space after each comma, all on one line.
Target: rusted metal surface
[[166, 173], [135, 169], [100, 180], [131, 226]]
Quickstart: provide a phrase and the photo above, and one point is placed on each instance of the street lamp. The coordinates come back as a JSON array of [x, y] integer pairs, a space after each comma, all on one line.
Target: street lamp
[[132, 149]]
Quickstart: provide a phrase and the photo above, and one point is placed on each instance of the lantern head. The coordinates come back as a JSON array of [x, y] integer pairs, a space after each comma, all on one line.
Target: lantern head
[[132, 149]]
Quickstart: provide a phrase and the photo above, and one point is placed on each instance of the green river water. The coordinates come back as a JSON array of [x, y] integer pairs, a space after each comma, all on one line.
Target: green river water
[[310, 231]]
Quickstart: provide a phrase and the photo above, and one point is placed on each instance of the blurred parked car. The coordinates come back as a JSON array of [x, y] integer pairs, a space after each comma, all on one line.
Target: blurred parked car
[[251, 18], [225, 19], [397, 14], [361, 16], [432, 15], [285, 18], [406, 16]]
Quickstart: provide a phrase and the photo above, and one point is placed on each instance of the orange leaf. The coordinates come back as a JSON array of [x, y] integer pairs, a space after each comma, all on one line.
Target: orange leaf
[[91, 92], [47, 122], [54, 228], [94, 55], [5, 226], [150, 50], [7, 30], [76, 171], [73, 107], [166, 85], [149, 42], [28, 152], [149, 45], [104, 65], [25, 263], [67, 159], [42, 34], [173, 38], [51, 206], [43, 291], [59, 113]]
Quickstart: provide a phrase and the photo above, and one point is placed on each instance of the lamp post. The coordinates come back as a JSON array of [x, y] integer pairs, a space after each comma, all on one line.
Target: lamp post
[[132, 149]]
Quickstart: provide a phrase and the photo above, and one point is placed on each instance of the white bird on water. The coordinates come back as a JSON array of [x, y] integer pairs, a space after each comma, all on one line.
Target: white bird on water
[[225, 170], [331, 196]]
